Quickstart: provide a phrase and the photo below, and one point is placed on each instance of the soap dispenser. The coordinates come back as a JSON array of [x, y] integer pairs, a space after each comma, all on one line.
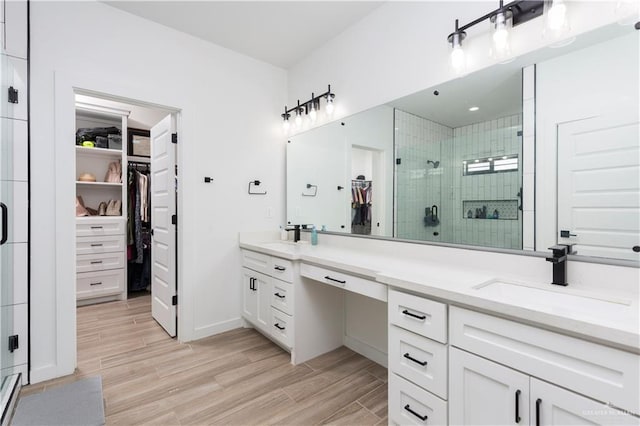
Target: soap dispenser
[[314, 236]]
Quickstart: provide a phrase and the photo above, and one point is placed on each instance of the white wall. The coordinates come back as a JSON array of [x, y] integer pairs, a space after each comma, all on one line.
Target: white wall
[[93, 46]]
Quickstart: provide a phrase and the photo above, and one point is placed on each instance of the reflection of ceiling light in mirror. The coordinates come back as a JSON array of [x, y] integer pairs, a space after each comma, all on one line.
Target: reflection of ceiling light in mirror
[[474, 108]]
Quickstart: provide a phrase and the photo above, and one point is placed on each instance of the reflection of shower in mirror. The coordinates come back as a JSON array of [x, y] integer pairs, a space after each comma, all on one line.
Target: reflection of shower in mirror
[[435, 163]]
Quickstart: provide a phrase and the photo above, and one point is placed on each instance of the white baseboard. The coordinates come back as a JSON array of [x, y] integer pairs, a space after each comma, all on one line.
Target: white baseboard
[[45, 373], [217, 328], [366, 350]]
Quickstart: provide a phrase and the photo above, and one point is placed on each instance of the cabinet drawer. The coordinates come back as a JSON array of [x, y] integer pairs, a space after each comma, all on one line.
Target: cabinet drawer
[[256, 261], [96, 227], [282, 296], [96, 284], [411, 405], [99, 262], [417, 314], [282, 327], [348, 282], [420, 360], [603, 373], [93, 245], [281, 269]]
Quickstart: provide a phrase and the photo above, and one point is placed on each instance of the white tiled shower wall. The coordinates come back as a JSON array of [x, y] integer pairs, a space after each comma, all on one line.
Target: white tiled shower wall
[[417, 184], [420, 185]]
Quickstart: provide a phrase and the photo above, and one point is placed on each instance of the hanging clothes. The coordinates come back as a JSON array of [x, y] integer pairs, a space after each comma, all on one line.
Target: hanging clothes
[[361, 206], [138, 228]]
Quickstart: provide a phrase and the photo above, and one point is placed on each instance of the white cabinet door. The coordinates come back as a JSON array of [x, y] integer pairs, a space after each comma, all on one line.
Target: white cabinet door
[[15, 31], [482, 392], [249, 296], [263, 313], [551, 405]]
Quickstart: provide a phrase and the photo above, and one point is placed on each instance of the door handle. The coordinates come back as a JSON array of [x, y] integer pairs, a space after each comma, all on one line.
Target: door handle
[[434, 211], [538, 404], [5, 223], [518, 406]]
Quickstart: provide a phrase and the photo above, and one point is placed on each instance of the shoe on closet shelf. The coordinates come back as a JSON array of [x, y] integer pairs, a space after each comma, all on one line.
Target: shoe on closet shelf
[[81, 210], [114, 207], [102, 209]]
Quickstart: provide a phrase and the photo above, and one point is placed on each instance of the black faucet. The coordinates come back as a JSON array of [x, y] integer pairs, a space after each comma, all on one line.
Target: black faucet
[[559, 260], [296, 232]]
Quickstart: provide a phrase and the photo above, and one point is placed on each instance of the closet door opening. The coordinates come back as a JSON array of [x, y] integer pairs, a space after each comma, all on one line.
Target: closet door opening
[[126, 230]]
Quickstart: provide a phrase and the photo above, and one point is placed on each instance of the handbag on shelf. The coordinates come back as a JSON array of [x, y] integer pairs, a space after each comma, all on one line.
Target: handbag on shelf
[[114, 208], [114, 173]]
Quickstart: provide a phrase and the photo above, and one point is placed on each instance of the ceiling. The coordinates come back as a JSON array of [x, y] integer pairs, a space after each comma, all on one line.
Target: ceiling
[[278, 32]]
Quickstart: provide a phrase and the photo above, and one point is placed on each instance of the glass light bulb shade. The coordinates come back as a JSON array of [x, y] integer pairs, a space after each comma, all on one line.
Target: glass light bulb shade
[[286, 125], [298, 120], [313, 114], [330, 107], [458, 59], [500, 28], [557, 16]]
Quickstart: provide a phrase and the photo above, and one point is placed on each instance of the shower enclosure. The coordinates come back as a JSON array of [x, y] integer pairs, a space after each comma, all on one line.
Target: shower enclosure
[[459, 184]]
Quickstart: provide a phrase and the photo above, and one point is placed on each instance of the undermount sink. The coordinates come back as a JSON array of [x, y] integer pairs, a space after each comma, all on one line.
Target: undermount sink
[[561, 298], [282, 245]]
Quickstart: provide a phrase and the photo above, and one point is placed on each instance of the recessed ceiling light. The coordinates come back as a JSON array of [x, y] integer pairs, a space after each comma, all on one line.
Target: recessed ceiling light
[[474, 108]]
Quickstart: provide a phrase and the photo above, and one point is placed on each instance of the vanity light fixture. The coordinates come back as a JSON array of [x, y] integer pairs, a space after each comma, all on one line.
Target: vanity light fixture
[[309, 108], [502, 20]]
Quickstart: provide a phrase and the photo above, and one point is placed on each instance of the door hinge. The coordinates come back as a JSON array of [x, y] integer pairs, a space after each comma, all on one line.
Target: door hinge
[[13, 95], [398, 161], [174, 300], [174, 138], [174, 219], [13, 343]]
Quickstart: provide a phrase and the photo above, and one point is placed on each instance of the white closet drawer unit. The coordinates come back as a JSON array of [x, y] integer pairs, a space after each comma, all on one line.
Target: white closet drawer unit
[[348, 282], [603, 373], [282, 296], [106, 244], [411, 405], [96, 284], [282, 327], [282, 269], [256, 261], [91, 227], [417, 314], [99, 262], [420, 360]]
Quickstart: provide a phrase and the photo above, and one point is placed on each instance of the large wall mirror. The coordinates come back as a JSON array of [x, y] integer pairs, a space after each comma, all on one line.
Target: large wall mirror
[[523, 155]]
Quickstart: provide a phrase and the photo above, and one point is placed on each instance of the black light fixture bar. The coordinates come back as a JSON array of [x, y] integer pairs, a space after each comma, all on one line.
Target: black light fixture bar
[[305, 105], [523, 11]]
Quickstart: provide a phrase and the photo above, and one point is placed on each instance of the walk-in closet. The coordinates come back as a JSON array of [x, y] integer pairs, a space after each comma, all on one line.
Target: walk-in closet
[[114, 199]]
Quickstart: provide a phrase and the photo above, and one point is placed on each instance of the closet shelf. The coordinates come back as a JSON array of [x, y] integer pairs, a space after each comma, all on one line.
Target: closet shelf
[[99, 184], [115, 154]]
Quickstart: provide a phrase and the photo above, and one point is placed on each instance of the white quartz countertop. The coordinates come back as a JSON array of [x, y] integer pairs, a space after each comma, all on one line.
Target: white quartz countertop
[[597, 316]]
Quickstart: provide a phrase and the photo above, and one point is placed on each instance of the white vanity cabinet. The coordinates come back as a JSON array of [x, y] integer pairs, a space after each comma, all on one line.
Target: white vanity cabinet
[[418, 358], [505, 370], [268, 295]]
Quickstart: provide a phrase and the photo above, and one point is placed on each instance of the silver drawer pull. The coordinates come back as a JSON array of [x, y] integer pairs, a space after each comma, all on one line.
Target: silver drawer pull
[[96, 245], [98, 283], [96, 227], [95, 262]]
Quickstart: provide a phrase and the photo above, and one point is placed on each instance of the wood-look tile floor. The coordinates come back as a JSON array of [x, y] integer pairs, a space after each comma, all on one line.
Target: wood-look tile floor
[[238, 377]]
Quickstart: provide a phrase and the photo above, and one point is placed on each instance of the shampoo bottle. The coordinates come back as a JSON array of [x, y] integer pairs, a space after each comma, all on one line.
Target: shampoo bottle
[[314, 236]]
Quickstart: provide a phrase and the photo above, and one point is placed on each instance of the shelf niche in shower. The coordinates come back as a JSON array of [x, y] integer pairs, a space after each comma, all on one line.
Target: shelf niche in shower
[[507, 209]]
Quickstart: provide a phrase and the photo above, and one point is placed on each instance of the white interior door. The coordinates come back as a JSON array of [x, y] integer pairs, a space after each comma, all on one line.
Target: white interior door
[[599, 186], [163, 207]]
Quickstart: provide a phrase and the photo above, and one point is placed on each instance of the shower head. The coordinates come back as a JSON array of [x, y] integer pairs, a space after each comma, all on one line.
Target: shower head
[[435, 163]]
